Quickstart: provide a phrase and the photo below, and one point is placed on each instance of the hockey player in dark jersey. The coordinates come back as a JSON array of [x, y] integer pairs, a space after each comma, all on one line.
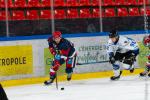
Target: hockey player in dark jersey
[[64, 52], [146, 42]]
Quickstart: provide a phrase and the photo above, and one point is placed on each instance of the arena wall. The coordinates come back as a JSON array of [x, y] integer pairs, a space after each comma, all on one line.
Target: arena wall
[[30, 59]]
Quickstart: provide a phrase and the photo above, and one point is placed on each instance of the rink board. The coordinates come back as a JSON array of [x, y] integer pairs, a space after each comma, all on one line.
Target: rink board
[[90, 50], [83, 76]]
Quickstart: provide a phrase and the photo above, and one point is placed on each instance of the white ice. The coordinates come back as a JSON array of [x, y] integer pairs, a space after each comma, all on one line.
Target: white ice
[[127, 88]]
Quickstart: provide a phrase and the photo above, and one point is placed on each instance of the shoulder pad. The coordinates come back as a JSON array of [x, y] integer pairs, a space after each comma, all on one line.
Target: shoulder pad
[[50, 39]]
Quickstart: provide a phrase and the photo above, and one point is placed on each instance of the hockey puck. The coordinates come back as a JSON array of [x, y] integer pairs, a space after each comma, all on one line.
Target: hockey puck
[[62, 88]]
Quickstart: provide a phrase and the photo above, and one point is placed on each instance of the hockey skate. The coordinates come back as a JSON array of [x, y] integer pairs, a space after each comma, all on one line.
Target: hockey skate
[[149, 75], [116, 77], [142, 74], [69, 76], [49, 82], [132, 70]]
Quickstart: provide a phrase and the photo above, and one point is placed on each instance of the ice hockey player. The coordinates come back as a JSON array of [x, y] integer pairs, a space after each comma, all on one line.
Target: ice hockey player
[[64, 52], [121, 49], [146, 42]]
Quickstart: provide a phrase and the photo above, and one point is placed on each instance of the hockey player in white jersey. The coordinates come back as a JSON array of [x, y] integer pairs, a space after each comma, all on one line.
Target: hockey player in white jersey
[[121, 49]]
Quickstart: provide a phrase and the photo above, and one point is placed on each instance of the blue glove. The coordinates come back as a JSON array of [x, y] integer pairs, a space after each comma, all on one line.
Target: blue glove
[[112, 60], [70, 61], [111, 54], [57, 57]]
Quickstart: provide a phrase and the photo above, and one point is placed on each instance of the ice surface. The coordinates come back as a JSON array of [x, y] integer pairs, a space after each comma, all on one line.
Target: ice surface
[[127, 88]]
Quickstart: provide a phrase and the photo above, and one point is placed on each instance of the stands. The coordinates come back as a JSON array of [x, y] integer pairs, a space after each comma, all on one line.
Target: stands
[[71, 9]]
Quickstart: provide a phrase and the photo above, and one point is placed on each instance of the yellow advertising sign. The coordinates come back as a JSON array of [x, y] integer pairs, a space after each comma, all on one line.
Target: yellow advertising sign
[[16, 60]]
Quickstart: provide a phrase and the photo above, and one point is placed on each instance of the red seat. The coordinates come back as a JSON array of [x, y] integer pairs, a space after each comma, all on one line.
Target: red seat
[[141, 2], [33, 3], [18, 15], [84, 2], [45, 14], [72, 3], [85, 13], [134, 12], [3, 15], [142, 11], [108, 2], [147, 11], [19, 3], [109, 12], [45, 3], [59, 3], [72, 13], [95, 2], [96, 13], [131, 2], [32, 15], [59, 14], [122, 12], [9, 2], [120, 2]]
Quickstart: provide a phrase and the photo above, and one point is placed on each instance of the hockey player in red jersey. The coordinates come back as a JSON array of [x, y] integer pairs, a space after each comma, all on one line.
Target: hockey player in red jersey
[[146, 42], [64, 52]]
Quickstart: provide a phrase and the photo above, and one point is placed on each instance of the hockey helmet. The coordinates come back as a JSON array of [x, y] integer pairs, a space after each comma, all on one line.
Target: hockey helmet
[[56, 34], [113, 34], [146, 41]]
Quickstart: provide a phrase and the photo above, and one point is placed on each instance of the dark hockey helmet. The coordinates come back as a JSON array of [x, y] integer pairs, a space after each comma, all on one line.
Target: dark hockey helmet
[[113, 34]]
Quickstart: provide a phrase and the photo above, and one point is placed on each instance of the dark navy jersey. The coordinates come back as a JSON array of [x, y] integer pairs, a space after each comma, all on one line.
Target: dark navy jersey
[[65, 47]]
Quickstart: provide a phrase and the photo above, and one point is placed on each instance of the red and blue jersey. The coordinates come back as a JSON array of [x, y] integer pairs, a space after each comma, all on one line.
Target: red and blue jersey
[[64, 47]]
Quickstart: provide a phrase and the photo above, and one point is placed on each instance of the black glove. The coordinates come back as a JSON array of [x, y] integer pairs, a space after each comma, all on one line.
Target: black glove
[[112, 60], [133, 57]]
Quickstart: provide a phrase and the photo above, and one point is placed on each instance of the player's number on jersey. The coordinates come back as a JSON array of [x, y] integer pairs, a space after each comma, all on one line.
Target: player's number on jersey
[[132, 42]]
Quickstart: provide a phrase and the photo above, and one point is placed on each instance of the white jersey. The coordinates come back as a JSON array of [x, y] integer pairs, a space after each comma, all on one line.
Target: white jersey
[[123, 45]]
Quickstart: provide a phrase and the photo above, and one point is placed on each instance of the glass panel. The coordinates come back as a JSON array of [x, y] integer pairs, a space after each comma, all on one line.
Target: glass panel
[[3, 20], [78, 16], [71, 16]]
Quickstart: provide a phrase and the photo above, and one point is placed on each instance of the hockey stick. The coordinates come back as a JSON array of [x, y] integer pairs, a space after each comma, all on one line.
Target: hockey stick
[[56, 81], [146, 88], [91, 63]]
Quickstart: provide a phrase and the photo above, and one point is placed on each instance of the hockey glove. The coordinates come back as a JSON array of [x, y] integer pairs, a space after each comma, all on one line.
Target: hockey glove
[[112, 60], [57, 57], [133, 57]]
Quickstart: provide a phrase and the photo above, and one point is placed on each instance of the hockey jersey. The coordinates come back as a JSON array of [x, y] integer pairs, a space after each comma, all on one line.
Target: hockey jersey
[[123, 45], [65, 47]]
